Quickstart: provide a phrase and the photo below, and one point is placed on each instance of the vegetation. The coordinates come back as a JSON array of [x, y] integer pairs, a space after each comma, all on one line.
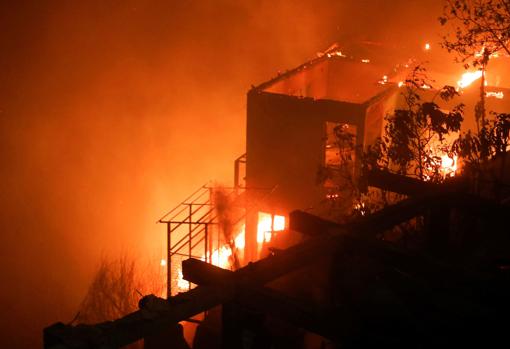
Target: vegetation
[[480, 30], [416, 135], [117, 287]]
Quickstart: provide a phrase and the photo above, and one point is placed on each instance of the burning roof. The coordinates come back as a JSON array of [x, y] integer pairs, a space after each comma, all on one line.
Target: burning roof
[[337, 76]]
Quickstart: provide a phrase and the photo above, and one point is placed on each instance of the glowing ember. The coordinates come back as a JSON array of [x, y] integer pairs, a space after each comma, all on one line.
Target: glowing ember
[[498, 95], [336, 53], [163, 263], [365, 60], [427, 46], [400, 83], [384, 80], [221, 257], [468, 78], [448, 166]]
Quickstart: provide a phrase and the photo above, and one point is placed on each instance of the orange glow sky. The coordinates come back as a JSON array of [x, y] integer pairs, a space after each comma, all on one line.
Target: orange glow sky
[[111, 112]]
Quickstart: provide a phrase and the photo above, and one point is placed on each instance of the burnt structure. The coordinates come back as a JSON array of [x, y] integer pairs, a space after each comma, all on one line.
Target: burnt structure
[[403, 298], [351, 285], [290, 123]]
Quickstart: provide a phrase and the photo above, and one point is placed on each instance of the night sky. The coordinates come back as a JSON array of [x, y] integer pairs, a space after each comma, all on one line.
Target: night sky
[[111, 112]]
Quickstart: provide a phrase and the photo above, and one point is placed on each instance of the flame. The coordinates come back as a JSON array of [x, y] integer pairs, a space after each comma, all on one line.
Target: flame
[[498, 95], [384, 80], [267, 224], [448, 165], [239, 241], [336, 53], [264, 225], [468, 77], [360, 207], [365, 60], [427, 46], [163, 262], [279, 223], [182, 284], [221, 257]]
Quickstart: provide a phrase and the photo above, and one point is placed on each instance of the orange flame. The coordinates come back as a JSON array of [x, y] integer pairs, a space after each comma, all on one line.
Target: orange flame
[[267, 223], [182, 284], [448, 165], [468, 77], [498, 95]]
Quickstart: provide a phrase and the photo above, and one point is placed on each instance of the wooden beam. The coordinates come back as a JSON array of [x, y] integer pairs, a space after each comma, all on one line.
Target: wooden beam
[[270, 301], [411, 186], [157, 314]]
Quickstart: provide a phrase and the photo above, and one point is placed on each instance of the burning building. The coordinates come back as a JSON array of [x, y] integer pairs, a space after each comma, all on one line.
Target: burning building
[[361, 298]]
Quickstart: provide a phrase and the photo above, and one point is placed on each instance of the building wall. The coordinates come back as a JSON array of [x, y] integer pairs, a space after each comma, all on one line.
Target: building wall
[[285, 147]]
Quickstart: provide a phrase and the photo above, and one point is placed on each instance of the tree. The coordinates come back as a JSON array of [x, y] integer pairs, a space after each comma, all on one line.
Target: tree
[[416, 139], [116, 288], [481, 29], [415, 136]]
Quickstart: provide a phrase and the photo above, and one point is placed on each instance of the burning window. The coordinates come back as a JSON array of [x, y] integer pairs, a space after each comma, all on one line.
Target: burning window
[[267, 224]]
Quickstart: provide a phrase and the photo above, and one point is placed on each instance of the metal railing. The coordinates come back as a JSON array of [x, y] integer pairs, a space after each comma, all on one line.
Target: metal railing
[[192, 229]]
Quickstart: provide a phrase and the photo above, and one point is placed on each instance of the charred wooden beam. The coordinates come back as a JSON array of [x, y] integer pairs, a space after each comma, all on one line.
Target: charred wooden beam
[[411, 186], [367, 226], [270, 301], [157, 314]]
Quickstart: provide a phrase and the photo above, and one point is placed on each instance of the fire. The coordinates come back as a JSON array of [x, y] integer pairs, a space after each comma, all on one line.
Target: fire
[[182, 284], [221, 257], [163, 262], [264, 225], [448, 165], [268, 223], [279, 223], [384, 80], [360, 207], [468, 77], [427, 46], [498, 95], [336, 53], [239, 241]]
